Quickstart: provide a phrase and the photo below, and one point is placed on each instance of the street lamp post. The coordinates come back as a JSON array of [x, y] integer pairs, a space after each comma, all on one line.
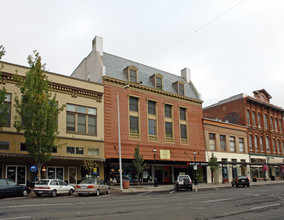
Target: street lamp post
[[119, 141], [155, 178], [195, 168]]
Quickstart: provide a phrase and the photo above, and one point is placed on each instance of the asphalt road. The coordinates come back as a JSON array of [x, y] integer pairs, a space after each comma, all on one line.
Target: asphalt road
[[255, 202]]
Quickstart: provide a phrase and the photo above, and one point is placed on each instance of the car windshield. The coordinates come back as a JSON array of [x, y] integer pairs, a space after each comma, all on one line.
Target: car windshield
[[88, 181], [42, 182]]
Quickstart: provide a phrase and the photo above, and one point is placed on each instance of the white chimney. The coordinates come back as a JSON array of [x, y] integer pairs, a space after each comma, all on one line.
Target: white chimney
[[98, 45], [185, 73]]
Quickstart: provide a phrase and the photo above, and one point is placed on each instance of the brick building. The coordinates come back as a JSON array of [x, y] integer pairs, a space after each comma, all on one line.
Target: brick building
[[264, 123], [158, 111]]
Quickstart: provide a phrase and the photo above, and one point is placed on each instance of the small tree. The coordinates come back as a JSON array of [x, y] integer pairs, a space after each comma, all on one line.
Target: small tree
[[3, 106], [37, 113], [90, 165], [214, 165], [138, 162]]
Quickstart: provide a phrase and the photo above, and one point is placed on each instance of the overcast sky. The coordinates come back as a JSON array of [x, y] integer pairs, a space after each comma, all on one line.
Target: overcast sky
[[231, 46]]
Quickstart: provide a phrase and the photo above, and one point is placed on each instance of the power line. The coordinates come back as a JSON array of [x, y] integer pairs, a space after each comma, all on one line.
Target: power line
[[196, 31]]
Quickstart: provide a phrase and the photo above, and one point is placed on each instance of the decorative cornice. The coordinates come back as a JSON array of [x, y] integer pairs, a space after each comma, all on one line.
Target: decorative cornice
[[265, 104], [107, 79], [58, 87]]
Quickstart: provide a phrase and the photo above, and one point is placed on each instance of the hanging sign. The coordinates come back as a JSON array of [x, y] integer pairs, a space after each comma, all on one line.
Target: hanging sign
[[33, 169]]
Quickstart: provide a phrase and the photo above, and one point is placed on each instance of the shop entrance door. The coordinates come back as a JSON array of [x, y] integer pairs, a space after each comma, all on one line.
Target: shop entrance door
[[72, 175], [17, 174], [55, 173]]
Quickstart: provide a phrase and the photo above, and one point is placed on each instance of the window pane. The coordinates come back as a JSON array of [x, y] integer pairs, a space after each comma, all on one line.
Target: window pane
[[70, 150], [92, 124], [168, 111], [182, 113], [241, 144], [82, 109], [134, 125], [223, 142], [133, 76], [70, 122], [159, 83], [93, 152], [151, 107], [133, 104], [169, 131], [232, 144], [79, 150], [8, 98], [92, 111], [152, 127], [212, 141], [4, 145], [82, 123], [267, 144], [23, 147], [181, 89], [71, 108], [183, 133]]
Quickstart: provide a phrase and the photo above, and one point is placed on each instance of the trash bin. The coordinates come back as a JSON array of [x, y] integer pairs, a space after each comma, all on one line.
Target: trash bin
[[125, 184], [155, 182]]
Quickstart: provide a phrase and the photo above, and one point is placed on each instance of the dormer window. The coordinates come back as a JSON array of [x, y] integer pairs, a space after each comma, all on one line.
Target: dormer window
[[131, 73], [157, 80], [179, 87]]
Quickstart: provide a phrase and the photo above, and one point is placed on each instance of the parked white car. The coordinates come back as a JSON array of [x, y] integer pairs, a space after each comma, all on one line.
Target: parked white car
[[92, 186], [52, 187]]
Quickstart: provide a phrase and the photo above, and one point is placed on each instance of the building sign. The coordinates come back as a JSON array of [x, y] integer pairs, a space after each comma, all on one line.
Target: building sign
[[257, 160], [165, 154]]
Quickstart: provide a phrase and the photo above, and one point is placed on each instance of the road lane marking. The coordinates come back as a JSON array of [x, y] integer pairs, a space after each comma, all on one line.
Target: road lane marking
[[266, 206], [21, 217], [216, 200], [144, 193], [172, 192]]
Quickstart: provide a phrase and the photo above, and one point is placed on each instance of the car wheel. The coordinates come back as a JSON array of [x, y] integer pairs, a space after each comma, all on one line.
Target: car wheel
[[108, 191], [176, 188], [71, 191], [98, 192], [53, 194], [25, 193], [248, 185], [237, 185], [190, 188], [38, 195], [232, 185]]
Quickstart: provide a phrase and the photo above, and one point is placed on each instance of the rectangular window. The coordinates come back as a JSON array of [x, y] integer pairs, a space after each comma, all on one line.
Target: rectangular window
[[232, 144], [182, 114], [4, 145], [265, 122], [23, 147], [278, 146], [79, 150], [70, 150], [151, 107], [81, 119], [248, 117], [280, 125], [253, 119], [181, 89], [261, 143], [250, 142], [168, 111], [276, 127], [133, 104], [152, 127], [93, 152], [54, 150], [267, 144], [274, 148], [133, 76], [255, 143], [159, 83], [183, 133], [212, 141], [259, 121], [134, 125], [271, 123], [241, 144], [169, 129], [223, 142], [8, 103]]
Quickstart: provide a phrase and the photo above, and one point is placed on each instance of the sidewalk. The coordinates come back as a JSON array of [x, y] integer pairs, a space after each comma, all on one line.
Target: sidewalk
[[200, 186]]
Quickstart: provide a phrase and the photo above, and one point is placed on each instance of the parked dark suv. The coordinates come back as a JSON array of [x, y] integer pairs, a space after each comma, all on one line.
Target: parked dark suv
[[240, 180], [183, 182]]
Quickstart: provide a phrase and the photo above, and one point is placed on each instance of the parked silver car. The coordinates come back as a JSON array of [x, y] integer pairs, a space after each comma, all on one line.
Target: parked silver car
[[92, 186], [52, 187]]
